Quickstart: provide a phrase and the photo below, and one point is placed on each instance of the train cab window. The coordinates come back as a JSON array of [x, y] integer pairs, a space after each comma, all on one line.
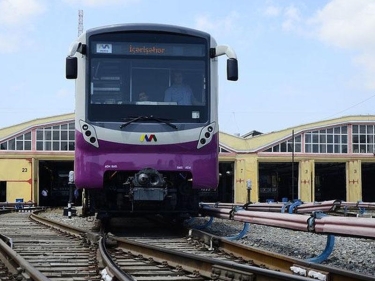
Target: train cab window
[[117, 84]]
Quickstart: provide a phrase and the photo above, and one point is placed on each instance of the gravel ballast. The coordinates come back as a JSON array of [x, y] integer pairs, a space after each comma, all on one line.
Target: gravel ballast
[[353, 254]]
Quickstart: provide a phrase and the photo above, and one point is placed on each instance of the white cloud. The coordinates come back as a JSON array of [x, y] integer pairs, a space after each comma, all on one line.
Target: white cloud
[[367, 62], [292, 18], [99, 3], [272, 11], [8, 43], [350, 25], [16, 20], [19, 12], [347, 24], [218, 26]]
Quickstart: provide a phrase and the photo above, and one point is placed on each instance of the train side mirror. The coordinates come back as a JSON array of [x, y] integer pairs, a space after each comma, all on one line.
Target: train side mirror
[[232, 69], [71, 68]]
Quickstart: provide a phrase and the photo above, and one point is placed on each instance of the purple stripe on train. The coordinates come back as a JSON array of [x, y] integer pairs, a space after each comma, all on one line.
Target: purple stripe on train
[[91, 162]]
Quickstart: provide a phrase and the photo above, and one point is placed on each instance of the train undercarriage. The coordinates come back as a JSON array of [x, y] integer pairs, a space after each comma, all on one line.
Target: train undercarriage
[[169, 194]]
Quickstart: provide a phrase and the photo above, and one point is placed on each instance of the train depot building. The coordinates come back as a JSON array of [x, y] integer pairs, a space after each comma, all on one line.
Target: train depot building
[[325, 160]]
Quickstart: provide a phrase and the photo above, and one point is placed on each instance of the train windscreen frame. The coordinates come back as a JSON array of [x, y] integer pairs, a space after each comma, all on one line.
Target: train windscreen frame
[[124, 64]]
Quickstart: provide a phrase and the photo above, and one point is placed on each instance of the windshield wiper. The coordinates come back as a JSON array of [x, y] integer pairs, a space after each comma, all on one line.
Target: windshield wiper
[[142, 118], [165, 121], [133, 120]]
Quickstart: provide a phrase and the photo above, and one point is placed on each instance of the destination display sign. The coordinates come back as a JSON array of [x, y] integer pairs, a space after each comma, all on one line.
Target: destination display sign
[[148, 49]]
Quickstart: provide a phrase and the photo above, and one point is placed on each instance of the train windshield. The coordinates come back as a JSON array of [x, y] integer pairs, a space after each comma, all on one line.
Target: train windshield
[[139, 74]]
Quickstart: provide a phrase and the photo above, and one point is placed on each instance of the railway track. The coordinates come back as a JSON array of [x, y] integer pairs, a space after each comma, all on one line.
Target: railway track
[[48, 253], [212, 257], [148, 252], [143, 250]]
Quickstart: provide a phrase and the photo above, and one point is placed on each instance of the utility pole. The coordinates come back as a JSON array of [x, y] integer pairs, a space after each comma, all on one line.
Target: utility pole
[[80, 22], [292, 165]]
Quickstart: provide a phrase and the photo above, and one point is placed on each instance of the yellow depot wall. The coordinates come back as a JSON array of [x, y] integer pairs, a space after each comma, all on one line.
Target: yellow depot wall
[[17, 173], [240, 180], [354, 181], [246, 169], [252, 174], [306, 183]]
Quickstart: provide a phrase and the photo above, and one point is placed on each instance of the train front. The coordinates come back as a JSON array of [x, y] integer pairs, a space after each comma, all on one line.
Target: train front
[[146, 120]]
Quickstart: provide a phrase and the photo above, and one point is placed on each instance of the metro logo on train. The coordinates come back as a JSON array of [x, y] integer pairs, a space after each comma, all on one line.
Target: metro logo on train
[[148, 138], [104, 48]]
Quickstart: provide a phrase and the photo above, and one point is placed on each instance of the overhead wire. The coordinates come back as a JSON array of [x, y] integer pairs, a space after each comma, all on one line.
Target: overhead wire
[[351, 106]]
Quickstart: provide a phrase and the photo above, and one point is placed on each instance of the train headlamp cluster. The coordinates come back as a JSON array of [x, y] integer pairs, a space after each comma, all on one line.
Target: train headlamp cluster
[[206, 134], [89, 133]]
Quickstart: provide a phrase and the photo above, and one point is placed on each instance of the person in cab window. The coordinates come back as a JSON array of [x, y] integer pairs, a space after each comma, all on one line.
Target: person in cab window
[[179, 92], [143, 96]]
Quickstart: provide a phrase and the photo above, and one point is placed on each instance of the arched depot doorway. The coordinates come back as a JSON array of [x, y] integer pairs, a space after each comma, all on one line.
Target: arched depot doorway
[[278, 181], [225, 192], [368, 182], [330, 181], [53, 176]]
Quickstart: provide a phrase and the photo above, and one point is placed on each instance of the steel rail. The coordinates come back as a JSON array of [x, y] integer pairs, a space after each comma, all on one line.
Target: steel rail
[[14, 261], [17, 261], [26, 270], [275, 261], [17, 205], [205, 266], [78, 232], [111, 265]]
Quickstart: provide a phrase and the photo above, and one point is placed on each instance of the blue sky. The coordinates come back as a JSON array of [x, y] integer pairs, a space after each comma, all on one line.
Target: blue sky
[[300, 61]]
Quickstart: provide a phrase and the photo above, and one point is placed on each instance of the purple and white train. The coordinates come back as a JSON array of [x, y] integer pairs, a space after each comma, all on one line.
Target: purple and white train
[[154, 155]]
